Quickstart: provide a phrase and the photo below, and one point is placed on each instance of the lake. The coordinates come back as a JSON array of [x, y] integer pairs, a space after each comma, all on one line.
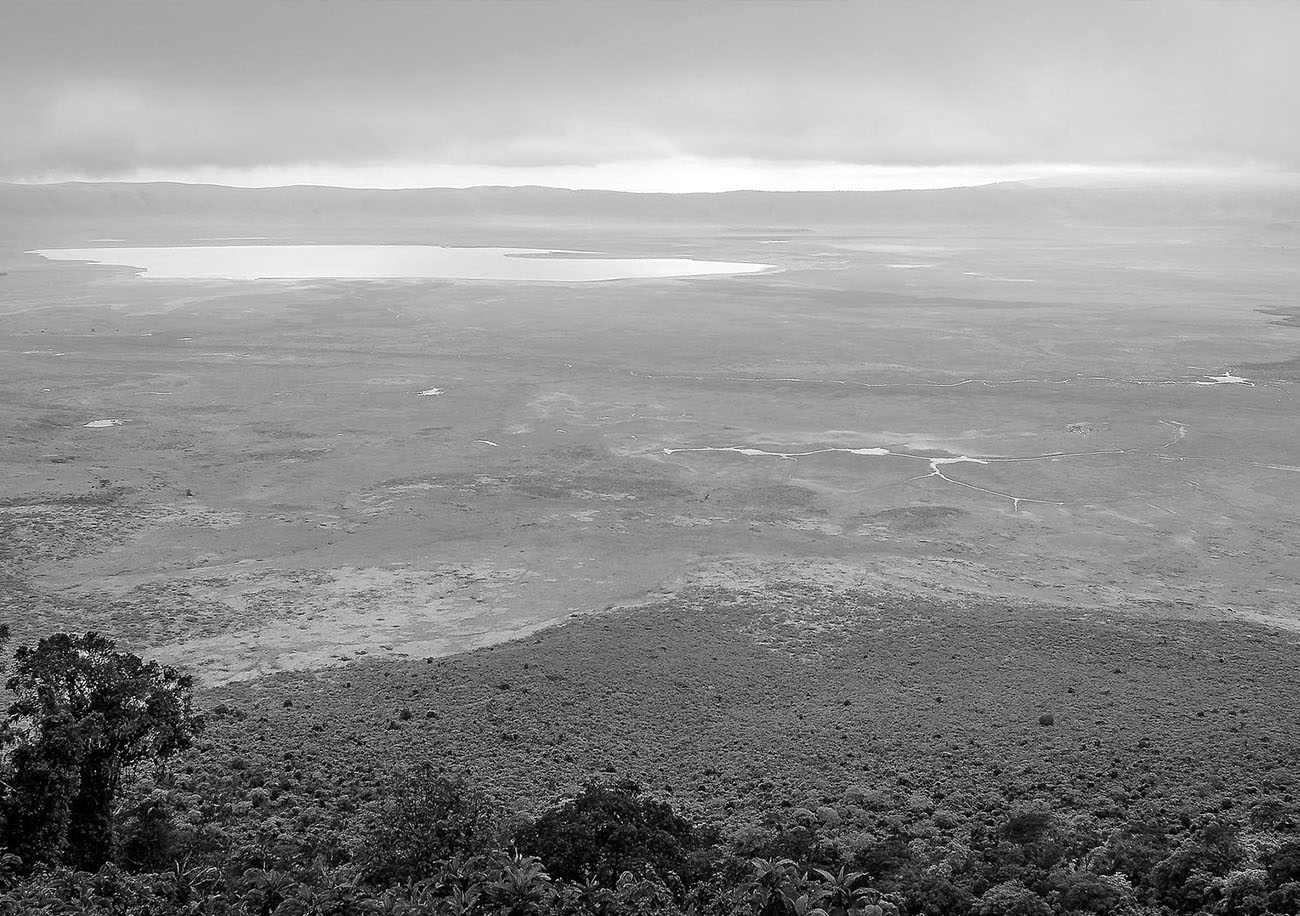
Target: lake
[[388, 262]]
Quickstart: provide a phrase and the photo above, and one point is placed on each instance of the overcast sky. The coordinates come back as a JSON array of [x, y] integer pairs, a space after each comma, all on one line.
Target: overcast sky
[[645, 94]]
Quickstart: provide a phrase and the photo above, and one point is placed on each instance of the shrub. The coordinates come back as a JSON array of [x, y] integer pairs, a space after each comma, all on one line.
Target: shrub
[[148, 838], [1086, 892], [1284, 863], [1285, 898], [609, 829], [422, 820], [1027, 824], [793, 835], [1011, 898], [1245, 893], [935, 895]]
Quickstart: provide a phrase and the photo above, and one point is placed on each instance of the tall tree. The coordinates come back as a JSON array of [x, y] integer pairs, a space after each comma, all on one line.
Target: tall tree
[[83, 714]]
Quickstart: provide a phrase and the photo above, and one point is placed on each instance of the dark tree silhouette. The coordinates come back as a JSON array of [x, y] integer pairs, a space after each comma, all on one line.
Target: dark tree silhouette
[[609, 829], [83, 714]]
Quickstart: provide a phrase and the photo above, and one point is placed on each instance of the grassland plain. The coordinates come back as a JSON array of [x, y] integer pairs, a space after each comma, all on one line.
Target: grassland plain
[[760, 475]]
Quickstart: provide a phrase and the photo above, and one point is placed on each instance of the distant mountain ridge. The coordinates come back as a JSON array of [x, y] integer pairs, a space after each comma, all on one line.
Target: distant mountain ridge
[[997, 203]]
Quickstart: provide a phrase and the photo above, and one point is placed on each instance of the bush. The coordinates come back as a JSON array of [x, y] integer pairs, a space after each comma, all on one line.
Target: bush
[[148, 838], [1011, 898], [422, 820], [1245, 893], [1086, 892], [1286, 898], [935, 895], [1027, 824], [792, 835], [609, 829], [1284, 863]]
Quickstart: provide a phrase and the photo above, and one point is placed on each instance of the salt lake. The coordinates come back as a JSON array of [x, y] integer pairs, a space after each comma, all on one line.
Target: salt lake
[[388, 262]]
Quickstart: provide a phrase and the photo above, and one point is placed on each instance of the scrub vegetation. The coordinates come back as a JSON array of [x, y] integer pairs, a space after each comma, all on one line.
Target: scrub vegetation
[[993, 762]]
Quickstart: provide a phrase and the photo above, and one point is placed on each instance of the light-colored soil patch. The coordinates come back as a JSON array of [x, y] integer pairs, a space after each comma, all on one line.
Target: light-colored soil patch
[[285, 621]]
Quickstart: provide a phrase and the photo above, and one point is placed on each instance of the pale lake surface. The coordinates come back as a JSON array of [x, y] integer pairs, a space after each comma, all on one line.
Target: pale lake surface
[[381, 262]]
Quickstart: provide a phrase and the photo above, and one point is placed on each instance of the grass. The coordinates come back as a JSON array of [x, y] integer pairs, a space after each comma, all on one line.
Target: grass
[[732, 703]]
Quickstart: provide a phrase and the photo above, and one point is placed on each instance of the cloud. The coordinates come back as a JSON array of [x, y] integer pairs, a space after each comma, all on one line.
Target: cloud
[[112, 88]]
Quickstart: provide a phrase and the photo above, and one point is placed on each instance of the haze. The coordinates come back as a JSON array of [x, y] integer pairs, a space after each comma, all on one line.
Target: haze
[[647, 96]]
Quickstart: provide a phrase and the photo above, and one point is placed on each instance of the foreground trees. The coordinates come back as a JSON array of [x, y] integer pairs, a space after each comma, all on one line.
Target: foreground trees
[[431, 845], [611, 829], [422, 820], [83, 714], [277, 831]]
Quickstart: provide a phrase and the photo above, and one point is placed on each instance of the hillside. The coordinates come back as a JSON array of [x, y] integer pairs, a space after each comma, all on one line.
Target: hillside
[[992, 204]]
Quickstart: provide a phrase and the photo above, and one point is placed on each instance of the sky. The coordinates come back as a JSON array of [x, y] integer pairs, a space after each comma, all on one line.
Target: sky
[[665, 95]]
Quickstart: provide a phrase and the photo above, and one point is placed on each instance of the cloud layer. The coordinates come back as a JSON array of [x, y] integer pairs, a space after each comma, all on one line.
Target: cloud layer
[[115, 88]]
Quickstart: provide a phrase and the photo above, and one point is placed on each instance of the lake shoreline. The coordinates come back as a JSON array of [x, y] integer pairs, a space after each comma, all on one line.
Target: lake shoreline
[[390, 262]]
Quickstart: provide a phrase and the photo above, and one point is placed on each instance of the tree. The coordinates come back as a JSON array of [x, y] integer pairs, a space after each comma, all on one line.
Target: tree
[[1284, 862], [84, 714], [609, 829], [1011, 898], [423, 820]]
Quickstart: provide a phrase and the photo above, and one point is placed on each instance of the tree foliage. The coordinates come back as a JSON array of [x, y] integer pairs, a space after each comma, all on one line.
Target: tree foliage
[[609, 829], [83, 714], [423, 819]]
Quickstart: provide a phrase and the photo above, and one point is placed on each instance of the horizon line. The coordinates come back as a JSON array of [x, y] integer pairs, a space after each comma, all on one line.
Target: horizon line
[[684, 175], [1028, 183], [1284, 180]]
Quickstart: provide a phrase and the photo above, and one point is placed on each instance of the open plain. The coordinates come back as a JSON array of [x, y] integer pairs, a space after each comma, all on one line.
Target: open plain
[[299, 473], [978, 509]]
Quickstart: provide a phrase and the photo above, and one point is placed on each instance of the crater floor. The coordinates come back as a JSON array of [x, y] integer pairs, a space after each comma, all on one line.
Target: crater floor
[[249, 477]]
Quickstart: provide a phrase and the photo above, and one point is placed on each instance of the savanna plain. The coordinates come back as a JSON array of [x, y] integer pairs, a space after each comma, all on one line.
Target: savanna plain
[[957, 549]]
